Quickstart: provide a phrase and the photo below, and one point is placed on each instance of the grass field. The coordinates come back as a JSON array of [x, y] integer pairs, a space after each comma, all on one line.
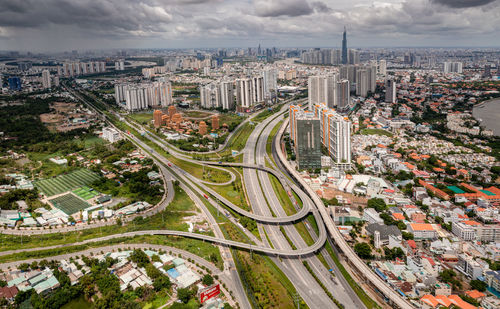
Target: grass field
[[69, 203], [63, 183], [376, 131], [85, 193], [142, 118]]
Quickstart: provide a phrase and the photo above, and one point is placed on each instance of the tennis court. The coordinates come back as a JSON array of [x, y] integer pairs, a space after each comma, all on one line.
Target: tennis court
[[67, 182], [69, 203], [85, 193], [456, 189]]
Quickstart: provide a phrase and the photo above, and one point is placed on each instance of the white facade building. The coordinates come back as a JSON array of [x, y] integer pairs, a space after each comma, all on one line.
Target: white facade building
[[46, 79]]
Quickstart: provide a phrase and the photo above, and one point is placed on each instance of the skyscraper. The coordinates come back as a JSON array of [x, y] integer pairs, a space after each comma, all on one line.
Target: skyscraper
[[46, 79], [335, 132], [344, 47], [305, 133], [390, 90], [15, 83], [270, 82], [343, 95], [321, 89]]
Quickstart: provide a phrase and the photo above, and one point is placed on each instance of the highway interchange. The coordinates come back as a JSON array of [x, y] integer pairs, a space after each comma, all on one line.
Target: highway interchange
[[270, 216]]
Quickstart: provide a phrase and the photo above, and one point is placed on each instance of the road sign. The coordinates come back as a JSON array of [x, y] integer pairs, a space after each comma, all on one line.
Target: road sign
[[209, 292]]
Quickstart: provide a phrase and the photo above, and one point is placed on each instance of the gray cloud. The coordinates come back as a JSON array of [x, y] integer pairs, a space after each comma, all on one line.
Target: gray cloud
[[57, 24], [462, 3], [274, 8], [113, 16]]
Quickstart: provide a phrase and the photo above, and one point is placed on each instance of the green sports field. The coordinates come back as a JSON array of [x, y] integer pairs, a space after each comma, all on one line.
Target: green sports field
[[69, 203], [63, 183], [85, 193]]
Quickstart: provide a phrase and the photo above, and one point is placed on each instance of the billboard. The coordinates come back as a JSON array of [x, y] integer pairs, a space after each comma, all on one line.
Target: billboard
[[209, 292]]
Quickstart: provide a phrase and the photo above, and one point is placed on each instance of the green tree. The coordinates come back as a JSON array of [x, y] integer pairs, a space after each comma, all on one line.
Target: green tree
[[363, 250], [184, 295], [207, 280], [377, 203], [478, 285]]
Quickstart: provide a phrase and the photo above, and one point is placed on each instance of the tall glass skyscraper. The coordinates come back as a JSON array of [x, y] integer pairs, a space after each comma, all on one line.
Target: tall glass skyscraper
[[344, 47]]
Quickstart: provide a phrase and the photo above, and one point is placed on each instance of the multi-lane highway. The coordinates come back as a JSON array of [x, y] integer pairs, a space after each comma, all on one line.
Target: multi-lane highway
[[275, 223]]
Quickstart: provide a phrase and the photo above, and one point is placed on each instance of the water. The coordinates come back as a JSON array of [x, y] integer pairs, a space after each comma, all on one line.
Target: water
[[489, 113]]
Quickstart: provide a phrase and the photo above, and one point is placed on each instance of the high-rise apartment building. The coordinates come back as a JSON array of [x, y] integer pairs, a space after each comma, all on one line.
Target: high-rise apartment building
[[270, 76], [353, 56], [453, 67], [361, 82], [46, 79], [321, 89], [305, 134], [227, 95], [244, 96], [390, 90], [144, 96], [335, 131], [210, 96], [343, 98]]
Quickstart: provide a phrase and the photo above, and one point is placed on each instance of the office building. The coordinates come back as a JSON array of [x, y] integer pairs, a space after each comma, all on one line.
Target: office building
[[453, 67], [46, 79], [111, 134], [342, 92], [305, 134], [335, 131], [321, 89], [15, 83], [390, 90], [344, 47]]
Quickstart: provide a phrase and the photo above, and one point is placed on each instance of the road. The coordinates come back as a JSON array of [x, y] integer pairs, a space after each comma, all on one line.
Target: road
[[363, 269], [264, 202], [223, 277], [266, 206]]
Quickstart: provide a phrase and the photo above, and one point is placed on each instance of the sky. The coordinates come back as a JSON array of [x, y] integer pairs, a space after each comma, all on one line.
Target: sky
[[62, 25]]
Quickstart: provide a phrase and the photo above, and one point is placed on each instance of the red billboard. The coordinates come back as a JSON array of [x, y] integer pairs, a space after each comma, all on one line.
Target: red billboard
[[209, 292]]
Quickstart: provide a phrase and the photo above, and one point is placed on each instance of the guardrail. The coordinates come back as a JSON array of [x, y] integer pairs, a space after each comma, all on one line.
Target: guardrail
[[359, 264]]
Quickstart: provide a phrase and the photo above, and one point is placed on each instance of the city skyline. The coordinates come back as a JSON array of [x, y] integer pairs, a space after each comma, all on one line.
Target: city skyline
[[213, 23]]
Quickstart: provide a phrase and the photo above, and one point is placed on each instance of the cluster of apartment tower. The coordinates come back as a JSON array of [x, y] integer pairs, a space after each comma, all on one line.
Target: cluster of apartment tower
[[329, 56], [70, 69], [321, 125], [144, 95], [246, 92]]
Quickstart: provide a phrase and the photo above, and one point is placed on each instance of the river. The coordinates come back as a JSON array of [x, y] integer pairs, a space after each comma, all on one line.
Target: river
[[488, 113]]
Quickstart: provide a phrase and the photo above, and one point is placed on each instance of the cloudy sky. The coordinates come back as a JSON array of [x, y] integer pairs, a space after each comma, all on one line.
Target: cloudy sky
[[56, 25]]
